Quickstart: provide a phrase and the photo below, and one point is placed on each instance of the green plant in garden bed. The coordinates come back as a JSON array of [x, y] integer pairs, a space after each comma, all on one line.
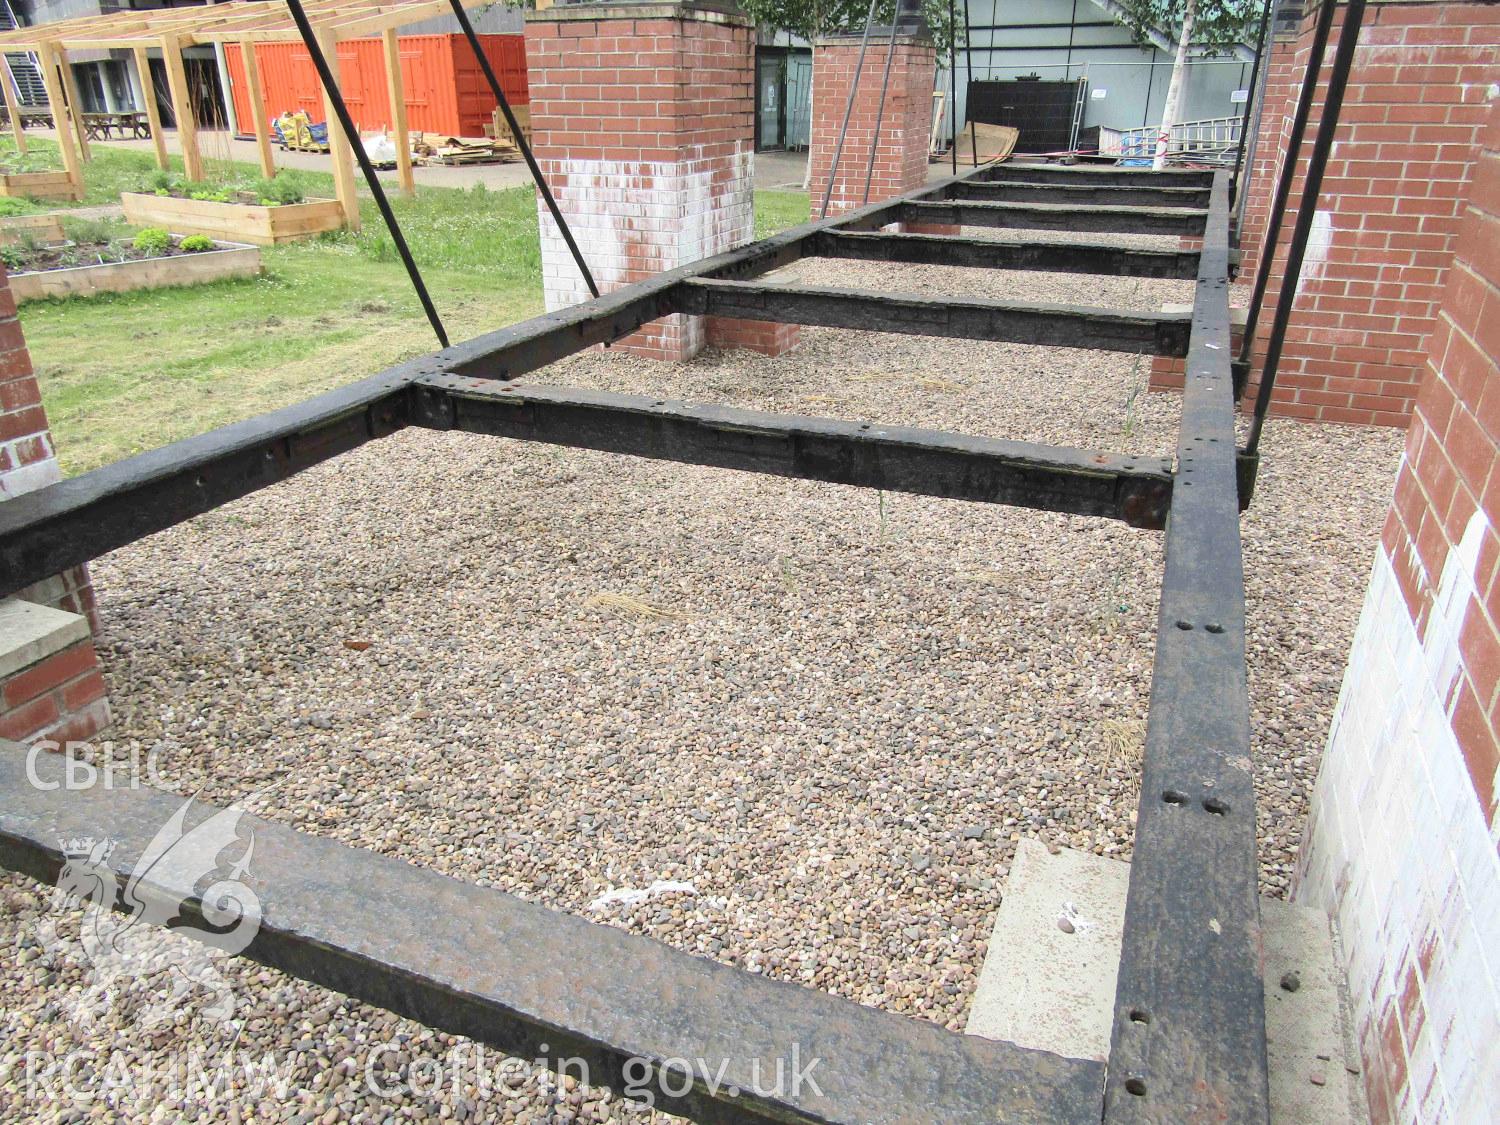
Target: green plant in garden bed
[[286, 187], [13, 205], [35, 159]]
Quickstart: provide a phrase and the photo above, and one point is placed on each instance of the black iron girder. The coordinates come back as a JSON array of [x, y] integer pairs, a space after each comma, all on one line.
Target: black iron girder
[[536, 982], [1022, 322], [1075, 195], [1186, 221], [1137, 490], [45, 532], [1189, 1037], [1092, 174], [984, 253]]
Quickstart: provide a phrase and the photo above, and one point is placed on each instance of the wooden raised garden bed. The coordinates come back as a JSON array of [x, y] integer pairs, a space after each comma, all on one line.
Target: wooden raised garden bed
[[39, 185], [42, 229], [226, 260], [235, 222]]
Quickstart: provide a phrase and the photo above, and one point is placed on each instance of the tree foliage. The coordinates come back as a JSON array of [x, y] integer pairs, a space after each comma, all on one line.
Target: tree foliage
[[812, 18], [1217, 26]]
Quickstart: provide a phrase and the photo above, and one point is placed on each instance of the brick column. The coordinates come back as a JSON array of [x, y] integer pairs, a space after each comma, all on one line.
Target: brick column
[[906, 128], [642, 117], [1387, 221], [1400, 844], [50, 685], [1277, 111]]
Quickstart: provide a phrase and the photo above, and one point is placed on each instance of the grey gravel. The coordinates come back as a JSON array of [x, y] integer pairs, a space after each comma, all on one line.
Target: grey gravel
[[832, 713]]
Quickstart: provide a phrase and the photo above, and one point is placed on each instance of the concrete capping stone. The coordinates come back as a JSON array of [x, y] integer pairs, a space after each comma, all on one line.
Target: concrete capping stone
[[705, 11], [29, 633]]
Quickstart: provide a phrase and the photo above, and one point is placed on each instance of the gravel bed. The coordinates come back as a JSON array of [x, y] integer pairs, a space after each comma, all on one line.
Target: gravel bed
[[562, 674]]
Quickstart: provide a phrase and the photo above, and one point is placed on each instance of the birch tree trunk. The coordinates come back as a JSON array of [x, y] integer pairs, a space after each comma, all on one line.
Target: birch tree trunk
[[1169, 111]]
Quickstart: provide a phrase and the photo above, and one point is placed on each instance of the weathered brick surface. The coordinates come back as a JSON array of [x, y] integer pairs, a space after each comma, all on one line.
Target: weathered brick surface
[[906, 125], [1401, 844], [63, 691], [1388, 215], [643, 123]]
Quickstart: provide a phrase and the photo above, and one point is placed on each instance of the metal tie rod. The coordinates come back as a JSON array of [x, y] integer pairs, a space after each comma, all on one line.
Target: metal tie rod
[[310, 40], [1288, 174], [838, 149], [1317, 163], [515, 131]]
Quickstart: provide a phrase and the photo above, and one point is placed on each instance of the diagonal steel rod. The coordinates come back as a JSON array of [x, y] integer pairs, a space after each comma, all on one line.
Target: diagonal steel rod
[[515, 131], [1288, 174], [953, 83], [838, 148], [1317, 163], [885, 85], [1260, 56], [351, 133], [969, 64]]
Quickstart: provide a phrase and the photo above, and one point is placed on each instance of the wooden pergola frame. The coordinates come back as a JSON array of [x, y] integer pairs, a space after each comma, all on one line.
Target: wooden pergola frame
[[242, 22]]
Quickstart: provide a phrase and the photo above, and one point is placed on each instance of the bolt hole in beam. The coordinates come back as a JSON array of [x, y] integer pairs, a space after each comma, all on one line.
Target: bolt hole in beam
[[1216, 806], [1136, 1086], [1173, 797], [1140, 1015]]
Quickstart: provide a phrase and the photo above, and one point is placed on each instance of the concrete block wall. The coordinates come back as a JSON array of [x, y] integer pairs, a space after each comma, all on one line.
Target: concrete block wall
[[1388, 216], [643, 123], [1401, 843], [50, 685]]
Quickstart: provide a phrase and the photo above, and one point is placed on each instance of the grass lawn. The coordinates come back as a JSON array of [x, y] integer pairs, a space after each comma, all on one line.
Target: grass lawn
[[127, 372]]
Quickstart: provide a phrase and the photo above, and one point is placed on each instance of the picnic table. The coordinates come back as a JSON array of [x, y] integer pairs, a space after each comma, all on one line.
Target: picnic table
[[29, 116], [128, 123]]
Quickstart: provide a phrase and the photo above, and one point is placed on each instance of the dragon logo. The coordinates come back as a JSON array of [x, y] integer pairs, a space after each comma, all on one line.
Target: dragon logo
[[137, 937]]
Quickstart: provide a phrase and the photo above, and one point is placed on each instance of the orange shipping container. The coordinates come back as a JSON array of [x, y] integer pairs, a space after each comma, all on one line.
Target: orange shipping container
[[446, 92]]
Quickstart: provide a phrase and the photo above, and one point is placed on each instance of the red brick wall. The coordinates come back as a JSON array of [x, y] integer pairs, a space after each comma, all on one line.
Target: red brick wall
[[906, 127], [645, 130], [1388, 214], [1278, 106], [62, 696], [1401, 844]]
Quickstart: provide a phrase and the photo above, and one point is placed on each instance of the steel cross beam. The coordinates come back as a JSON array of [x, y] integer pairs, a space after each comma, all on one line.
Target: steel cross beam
[[1057, 216], [1065, 326], [984, 253], [1189, 1036], [1124, 195], [1137, 490], [514, 975]]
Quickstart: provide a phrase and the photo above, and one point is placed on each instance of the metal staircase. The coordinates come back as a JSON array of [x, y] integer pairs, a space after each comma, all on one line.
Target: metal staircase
[[28, 76]]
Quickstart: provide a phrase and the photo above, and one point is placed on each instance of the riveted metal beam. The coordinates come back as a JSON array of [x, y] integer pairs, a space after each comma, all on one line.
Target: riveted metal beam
[[542, 984], [1066, 326], [1078, 195], [1053, 216], [1189, 1036], [1137, 490], [984, 253]]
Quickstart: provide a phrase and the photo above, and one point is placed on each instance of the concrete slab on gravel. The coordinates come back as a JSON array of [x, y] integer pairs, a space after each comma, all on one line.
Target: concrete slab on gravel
[[1048, 981]]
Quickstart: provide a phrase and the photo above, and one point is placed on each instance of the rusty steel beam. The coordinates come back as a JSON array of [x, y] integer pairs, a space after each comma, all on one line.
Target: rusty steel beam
[[1065, 326], [1137, 490], [1052, 216], [984, 253], [703, 1038], [1075, 195], [1189, 1036], [1012, 172]]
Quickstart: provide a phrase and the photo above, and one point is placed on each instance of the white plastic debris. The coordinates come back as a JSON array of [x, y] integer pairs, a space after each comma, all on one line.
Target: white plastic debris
[[633, 896]]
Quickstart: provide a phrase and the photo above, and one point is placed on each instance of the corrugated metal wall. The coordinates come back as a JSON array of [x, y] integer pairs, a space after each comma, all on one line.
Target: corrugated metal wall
[[445, 89]]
